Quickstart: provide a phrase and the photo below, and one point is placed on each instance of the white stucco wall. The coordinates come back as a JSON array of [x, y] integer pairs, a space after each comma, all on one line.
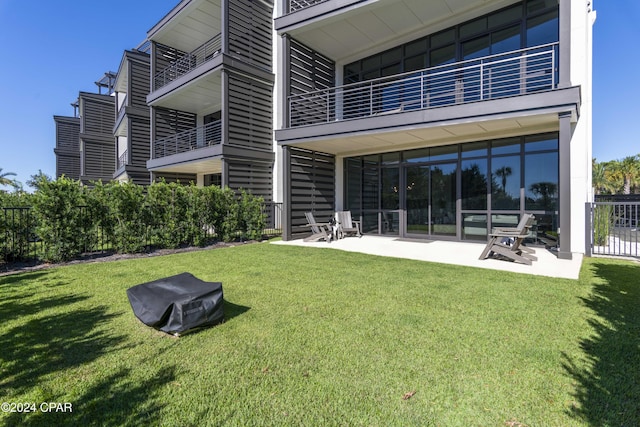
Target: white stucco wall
[[582, 20]]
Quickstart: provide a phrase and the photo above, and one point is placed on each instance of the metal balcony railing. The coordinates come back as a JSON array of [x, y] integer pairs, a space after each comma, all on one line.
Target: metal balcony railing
[[192, 139], [122, 159], [497, 76], [188, 62], [295, 5]]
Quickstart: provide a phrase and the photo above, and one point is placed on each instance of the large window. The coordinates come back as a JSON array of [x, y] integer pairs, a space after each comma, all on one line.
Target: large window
[[498, 180], [473, 175], [505, 182], [526, 24]]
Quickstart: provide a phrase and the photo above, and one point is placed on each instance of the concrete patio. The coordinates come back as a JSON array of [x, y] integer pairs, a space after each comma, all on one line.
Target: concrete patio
[[456, 253]]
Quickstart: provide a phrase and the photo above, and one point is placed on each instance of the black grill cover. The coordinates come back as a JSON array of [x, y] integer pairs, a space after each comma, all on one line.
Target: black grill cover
[[177, 303]]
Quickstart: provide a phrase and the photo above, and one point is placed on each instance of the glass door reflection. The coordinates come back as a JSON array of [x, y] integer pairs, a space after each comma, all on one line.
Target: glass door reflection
[[430, 199], [417, 199]]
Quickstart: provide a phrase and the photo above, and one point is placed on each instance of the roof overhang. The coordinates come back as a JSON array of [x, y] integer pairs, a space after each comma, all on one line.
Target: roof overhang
[[342, 29], [476, 121], [188, 25], [203, 160]]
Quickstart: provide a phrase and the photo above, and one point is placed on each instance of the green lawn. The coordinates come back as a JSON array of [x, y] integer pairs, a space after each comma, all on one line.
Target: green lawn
[[325, 337]]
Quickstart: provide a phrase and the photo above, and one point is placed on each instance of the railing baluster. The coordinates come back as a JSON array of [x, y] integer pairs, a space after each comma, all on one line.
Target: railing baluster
[[484, 78], [188, 62], [188, 140]]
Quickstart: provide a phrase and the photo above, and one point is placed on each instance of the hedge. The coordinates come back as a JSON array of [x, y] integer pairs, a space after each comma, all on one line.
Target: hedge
[[68, 219]]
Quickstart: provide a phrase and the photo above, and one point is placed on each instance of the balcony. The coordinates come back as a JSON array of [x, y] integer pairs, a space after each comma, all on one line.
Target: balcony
[[188, 62], [510, 74], [122, 160], [295, 5], [192, 139]]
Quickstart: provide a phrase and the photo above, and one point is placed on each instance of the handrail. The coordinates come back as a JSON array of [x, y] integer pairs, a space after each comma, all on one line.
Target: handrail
[[495, 76], [295, 5], [192, 139], [188, 62], [122, 159]]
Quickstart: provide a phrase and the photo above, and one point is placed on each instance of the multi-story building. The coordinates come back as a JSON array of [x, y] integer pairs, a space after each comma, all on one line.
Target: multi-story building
[[96, 113], [67, 148], [211, 94], [437, 119], [132, 123]]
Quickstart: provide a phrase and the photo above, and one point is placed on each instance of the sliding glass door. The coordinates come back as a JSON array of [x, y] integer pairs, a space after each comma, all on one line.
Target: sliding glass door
[[430, 199]]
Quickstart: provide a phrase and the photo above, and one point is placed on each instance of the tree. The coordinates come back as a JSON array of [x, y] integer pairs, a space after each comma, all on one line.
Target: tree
[[598, 177], [503, 173], [5, 180], [614, 176], [38, 179], [630, 171], [547, 192]]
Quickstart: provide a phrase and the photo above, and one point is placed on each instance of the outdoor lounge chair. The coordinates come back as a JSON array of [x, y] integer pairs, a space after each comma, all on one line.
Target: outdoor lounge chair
[[346, 225], [499, 238], [319, 231]]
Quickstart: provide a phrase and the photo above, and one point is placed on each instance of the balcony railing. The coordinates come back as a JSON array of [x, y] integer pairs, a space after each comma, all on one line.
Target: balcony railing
[[295, 5], [188, 62], [122, 159], [497, 76], [192, 139]]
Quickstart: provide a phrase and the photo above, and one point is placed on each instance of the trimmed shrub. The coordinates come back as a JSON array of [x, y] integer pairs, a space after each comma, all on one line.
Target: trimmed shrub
[[62, 225], [251, 219], [603, 219], [72, 219]]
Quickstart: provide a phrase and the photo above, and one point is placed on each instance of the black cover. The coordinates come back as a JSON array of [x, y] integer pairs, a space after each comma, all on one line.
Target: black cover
[[177, 303]]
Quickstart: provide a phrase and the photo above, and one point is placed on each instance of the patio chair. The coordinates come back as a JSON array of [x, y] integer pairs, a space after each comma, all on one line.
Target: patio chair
[[515, 251], [319, 231], [346, 225]]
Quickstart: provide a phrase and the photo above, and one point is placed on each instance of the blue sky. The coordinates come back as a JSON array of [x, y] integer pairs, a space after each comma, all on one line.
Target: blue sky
[[51, 50]]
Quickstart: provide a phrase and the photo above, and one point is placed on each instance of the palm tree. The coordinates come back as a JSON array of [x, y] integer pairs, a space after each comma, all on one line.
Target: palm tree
[[546, 190], [606, 177], [503, 173], [598, 177], [614, 176], [630, 170], [5, 180]]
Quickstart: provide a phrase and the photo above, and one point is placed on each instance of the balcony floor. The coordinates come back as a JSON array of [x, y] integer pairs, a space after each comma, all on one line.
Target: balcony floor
[[446, 252]]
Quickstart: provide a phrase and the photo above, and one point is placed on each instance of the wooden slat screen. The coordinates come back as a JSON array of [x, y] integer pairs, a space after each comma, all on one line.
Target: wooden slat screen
[[250, 30], [250, 106], [312, 187]]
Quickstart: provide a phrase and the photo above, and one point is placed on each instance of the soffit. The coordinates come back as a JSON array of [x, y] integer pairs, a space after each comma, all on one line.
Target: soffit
[[198, 95], [189, 25], [345, 33], [403, 139], [205, 166]]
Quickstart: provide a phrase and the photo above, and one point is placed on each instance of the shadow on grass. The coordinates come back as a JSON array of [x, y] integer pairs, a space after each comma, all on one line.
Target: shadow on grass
[[56, 335], [608, 390], [232, 310], [51, 343], [15, 307], [113, 401], [20, 278]]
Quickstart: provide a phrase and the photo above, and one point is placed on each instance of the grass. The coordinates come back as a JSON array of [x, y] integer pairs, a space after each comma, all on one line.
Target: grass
[[324, 337]]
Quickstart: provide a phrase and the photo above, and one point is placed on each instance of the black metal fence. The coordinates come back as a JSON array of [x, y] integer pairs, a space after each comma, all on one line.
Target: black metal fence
[[19, 239], [273, 218], [613, 228]]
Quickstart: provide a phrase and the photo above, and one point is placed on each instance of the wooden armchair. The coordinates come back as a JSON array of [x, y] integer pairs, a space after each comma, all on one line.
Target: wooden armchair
[[319, 231], [346, 225], [515, 251]]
